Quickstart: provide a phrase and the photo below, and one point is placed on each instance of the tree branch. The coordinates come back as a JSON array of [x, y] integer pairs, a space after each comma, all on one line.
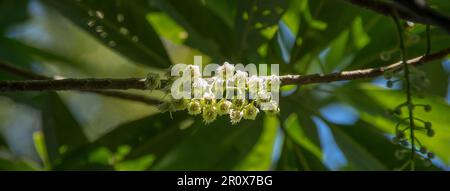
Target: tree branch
[[407, 10], [115, 94], [360, 74], [97, 85]]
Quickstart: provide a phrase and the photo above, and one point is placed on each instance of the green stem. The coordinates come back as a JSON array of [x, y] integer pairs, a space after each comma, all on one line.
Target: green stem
[[407, 88], [428, 51]]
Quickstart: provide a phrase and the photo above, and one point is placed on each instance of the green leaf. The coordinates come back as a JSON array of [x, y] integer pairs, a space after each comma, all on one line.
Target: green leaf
[[14, 164], [119, 24], [373, 102], [368, 148], [205, 29], [300, 150], [138, 140], [61, 131], [218, 146], [260, 158], [12, 13], [319, 26], [252, 18]]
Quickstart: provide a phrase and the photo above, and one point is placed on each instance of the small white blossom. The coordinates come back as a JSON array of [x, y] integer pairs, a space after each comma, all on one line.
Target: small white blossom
[[192, 71], [236, 116], [199, 85], [271, 108], [275, 83], [225, 71], [253, 84], [240, 76]]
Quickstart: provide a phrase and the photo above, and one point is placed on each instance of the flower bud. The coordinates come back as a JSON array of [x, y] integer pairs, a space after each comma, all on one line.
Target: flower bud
[[423, 150], [194, 107], [430, 132], [223, 107], [430, 155], [427, 108], [179, 104], [225, 71], [250, 112], [209, 114], [389, 84], [428, 125], [400, 135], [239, 103]]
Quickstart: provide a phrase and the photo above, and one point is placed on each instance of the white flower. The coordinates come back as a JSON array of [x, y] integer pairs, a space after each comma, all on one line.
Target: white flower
[[192, 71], [209, 98], [235, 116], [218, 87], [271, 108], [263, 92], [240, 80], [199, 85], [240, 76], [275, 83], [209, 114], [253, 83], [225, 71]]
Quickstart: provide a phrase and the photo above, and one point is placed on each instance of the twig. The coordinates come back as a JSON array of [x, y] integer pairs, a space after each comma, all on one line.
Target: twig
[[360, 74], [407, 10], [115, 94]]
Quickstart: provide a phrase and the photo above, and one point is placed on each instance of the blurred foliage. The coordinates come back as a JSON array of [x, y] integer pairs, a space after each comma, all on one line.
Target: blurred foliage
[[118, 38]]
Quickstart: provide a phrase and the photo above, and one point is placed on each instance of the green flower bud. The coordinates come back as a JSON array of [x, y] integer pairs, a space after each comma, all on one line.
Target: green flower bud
[[398, 111], [194, 107], [250, 112], [404, 143], [400, 135], [430, 132], [179, 104], [428, 125], [427, 108], [223, 107], [239, 103], [423, 150], [209, 114], [153, 81], [235, 116], [430, 155], [389, 84]]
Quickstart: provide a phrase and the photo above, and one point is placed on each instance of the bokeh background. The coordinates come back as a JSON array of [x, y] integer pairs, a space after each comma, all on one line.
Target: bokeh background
[[337, 126]]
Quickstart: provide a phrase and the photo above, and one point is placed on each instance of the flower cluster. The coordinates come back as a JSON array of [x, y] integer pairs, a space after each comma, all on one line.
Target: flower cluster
[[230, 92]]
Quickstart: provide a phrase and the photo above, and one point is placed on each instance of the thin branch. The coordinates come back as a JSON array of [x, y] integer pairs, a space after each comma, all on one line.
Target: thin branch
[[114, 94], [360, 74], [93, 84], [407, 10], [385, 9]]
